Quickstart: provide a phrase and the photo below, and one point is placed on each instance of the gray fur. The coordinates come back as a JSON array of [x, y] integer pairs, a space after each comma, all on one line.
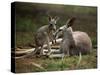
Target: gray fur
[[45, 34], [82, 42], [74, 42]]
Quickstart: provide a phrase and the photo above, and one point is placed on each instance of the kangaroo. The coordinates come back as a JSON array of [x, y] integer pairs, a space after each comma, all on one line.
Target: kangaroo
[[44, 34], [67, 39], [75, 42]]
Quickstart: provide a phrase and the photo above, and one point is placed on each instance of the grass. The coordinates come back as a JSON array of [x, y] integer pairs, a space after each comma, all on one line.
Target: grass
[[94, 41], [57, 64], [24, 39]]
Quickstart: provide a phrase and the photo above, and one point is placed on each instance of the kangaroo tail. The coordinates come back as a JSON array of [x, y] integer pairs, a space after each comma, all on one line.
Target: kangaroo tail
[[80, 58], [33, 52]]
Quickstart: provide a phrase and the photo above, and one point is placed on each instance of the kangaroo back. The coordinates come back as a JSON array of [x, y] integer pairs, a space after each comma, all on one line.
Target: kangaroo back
[[83, 42]]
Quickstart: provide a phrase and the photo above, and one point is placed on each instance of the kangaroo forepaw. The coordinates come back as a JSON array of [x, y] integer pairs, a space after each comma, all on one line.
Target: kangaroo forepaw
[[48, 53]]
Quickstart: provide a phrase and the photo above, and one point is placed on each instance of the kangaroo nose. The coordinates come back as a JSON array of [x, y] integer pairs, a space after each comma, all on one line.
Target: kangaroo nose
[[51, 24], [55, 28]]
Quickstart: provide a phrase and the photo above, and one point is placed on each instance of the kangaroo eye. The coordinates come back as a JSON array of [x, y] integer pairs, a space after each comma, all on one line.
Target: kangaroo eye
[[60, 29], [51, 24]]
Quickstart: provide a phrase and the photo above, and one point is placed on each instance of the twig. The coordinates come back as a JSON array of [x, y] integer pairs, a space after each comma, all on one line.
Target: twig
[[38, 66]]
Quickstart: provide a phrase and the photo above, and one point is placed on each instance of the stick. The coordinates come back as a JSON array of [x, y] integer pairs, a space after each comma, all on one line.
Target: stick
[[38, 66], [22, 51], [56, 56]]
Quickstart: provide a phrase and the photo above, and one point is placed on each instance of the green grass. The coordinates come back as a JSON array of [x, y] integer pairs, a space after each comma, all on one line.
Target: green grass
[[24, 39], [94, 41], [57, 64]]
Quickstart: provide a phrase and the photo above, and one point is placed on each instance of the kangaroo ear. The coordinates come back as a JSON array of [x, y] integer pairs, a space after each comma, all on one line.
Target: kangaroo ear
[[49, 18], [56, 18], [70, 21]]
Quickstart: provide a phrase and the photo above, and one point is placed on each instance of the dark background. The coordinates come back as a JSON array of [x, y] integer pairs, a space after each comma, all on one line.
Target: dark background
[[31, 16]]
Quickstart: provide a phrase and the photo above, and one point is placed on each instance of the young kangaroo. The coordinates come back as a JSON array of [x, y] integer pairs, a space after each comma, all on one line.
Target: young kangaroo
[[44, 34]]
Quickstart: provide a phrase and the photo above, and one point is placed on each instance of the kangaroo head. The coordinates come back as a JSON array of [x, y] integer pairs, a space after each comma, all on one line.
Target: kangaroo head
[[68, 24], [67, 27], [52, 23]]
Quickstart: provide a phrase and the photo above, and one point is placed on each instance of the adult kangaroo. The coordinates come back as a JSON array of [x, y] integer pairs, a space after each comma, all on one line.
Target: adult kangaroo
[[74, 43]]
